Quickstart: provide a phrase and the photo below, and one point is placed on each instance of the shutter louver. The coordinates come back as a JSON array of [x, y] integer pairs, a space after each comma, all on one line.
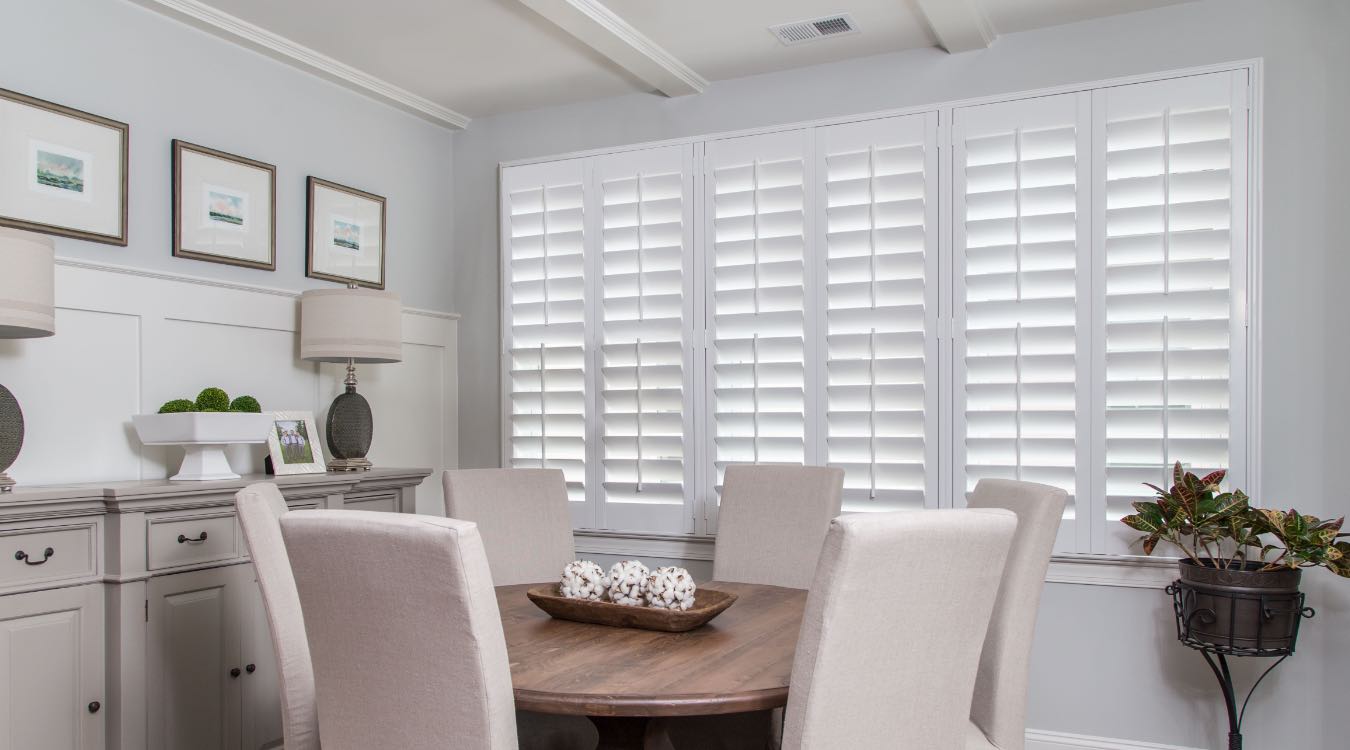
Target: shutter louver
[[545, 225], [878, 310], [1168, 254], [757, 299], [1020, 232], [644, 369]]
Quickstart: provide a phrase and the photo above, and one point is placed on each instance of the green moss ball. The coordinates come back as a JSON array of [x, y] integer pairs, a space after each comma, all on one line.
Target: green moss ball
[[177, 406], [213, 399], [247, 404]]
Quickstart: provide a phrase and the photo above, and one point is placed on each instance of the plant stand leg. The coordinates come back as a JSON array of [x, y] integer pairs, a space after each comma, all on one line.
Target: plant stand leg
[[1219, 665]]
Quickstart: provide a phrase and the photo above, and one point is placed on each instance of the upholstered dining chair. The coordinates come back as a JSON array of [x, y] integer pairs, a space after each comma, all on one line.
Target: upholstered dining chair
[[522, 516], [893, 628], [404, 630], [998, 712], [772, 520], [260, 508]]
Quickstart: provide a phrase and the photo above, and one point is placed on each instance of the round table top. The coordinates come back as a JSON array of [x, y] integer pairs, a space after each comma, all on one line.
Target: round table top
[[741, 661]]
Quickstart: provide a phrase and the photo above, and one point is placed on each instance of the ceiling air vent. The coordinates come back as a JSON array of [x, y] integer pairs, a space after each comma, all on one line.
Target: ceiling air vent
[[815, 28]]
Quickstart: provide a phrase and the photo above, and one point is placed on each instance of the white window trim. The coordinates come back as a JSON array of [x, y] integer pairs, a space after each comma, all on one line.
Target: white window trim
[[1092, 569]]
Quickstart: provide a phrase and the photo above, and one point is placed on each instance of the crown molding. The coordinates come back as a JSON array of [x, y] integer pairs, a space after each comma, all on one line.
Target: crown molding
[[280, 48], [601, 29]]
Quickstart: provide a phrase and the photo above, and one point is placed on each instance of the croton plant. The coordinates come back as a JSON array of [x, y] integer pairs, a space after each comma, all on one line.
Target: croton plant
[[1221, 529]]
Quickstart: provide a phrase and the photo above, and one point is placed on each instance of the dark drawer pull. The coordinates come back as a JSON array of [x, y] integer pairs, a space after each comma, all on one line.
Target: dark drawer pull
[[250, 668], [46, 555], [234, 671], [94, 707], [185, 539]]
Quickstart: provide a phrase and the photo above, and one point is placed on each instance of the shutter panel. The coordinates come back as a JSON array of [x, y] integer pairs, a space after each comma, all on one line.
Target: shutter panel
[[1174, 162], [1022, 287], [880, 346], [757, 305], [645, 367], [545, 320]]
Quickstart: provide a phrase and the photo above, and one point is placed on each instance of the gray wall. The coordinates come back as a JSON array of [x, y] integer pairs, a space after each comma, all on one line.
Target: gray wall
[[168, 80], [1106, 661]]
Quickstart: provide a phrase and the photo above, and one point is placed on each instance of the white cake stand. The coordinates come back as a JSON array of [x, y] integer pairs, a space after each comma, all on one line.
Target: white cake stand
[[203, 436]]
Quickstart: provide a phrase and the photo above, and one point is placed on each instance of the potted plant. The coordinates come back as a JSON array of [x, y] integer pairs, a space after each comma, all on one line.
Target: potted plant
[[1238, 588], [204, 427]]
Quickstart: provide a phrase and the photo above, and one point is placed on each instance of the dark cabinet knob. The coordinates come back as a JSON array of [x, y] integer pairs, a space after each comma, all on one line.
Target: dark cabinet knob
[[234, 672], [251, 668], [94, 707]]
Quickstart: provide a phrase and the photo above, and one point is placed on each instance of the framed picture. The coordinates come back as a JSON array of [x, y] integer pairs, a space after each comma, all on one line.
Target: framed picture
[[62, 171], [345, 235], [224, 207], [293, 444]]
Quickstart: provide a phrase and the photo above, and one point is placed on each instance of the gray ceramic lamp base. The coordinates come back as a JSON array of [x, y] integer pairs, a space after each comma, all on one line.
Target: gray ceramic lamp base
[[350, 428], [11, 435]]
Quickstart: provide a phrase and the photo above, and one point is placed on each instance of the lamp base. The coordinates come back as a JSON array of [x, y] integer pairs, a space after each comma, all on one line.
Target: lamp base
[[11, 435], [349, 464]]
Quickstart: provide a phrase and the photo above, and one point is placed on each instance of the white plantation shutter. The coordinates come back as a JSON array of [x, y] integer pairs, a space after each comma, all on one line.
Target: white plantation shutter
[[758, 311], [1171, 246], [1020, 308], [545, 321], [645, 366], [880, 349]]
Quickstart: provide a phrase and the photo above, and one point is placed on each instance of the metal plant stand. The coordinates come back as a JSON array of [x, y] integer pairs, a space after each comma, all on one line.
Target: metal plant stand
[[1195, 619]]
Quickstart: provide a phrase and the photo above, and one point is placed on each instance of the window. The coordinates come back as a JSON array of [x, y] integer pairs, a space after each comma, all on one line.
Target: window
[[1058, 297]]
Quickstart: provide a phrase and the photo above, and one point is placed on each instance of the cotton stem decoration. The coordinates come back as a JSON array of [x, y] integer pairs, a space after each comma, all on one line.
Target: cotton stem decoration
[[628, 582], [583, 579], [670, 588]]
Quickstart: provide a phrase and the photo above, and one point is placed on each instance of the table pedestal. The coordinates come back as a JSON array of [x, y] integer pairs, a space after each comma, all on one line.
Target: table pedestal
[[621, 732]]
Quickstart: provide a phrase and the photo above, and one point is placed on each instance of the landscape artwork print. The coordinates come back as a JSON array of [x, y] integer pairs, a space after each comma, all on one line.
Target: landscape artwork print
[[346, 234], [60, 171], [225, 208]]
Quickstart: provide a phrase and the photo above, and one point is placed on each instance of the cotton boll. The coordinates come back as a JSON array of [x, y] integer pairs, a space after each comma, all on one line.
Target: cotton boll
[[670, 588], [583, 579], [628, 582]]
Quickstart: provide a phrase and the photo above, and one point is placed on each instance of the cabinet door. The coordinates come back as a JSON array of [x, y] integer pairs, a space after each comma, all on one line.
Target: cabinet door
[[51, 669], [193, 643], [261, 682]]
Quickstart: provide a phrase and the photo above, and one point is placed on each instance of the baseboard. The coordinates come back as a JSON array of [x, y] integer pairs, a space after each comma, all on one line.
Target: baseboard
[[1039, 739]]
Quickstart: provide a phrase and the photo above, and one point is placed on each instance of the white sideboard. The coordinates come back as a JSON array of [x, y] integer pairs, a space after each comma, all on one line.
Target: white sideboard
[[130, 616]]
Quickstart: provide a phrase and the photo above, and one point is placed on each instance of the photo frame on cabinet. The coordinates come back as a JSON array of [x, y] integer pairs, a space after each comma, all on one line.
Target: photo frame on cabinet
[[345, 235], [224, 207], [293, 444], [62, 171]]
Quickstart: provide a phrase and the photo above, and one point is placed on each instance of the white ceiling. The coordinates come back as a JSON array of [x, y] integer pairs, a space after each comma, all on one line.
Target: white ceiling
[[483, 57]]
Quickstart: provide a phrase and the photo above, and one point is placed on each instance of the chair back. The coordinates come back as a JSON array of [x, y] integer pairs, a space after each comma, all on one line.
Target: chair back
[[523, 517], [891, 637], [999, 708], [260, 508], [404, 631], [772, 520]]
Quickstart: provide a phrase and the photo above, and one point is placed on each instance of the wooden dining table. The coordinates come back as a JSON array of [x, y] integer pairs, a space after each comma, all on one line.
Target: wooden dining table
[[621, 677]]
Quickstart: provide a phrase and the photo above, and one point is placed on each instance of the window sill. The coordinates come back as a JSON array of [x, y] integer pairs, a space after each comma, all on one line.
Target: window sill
[[1089, 570]]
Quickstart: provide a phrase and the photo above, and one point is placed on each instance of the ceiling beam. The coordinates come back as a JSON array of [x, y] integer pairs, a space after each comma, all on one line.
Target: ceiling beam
[[600, 29], [958, 25], [234, 29]]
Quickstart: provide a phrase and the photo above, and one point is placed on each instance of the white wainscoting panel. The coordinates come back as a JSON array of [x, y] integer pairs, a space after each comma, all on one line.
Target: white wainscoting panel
[[128, 340]]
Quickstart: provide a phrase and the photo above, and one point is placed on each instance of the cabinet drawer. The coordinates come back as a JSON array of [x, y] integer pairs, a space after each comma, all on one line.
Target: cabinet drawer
[[177, 540], [386, 502], [48, 554]]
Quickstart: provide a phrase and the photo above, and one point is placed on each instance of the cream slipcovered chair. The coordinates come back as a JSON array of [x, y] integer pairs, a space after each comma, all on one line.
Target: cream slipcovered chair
[[998, 713], [522, 516], [404, 631], [893, 628], [772, 521], [526, 527], [260, 508]]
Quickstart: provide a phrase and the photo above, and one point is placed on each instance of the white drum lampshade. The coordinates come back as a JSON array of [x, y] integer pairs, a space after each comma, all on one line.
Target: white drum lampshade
[[27, 310], [351, 326]]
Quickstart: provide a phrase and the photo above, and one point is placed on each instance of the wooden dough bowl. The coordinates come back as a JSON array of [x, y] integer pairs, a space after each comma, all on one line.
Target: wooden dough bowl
[[708, 603]]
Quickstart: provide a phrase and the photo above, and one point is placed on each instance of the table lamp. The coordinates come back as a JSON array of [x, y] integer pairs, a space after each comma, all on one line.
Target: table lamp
[[349, 326], [27, 299]]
